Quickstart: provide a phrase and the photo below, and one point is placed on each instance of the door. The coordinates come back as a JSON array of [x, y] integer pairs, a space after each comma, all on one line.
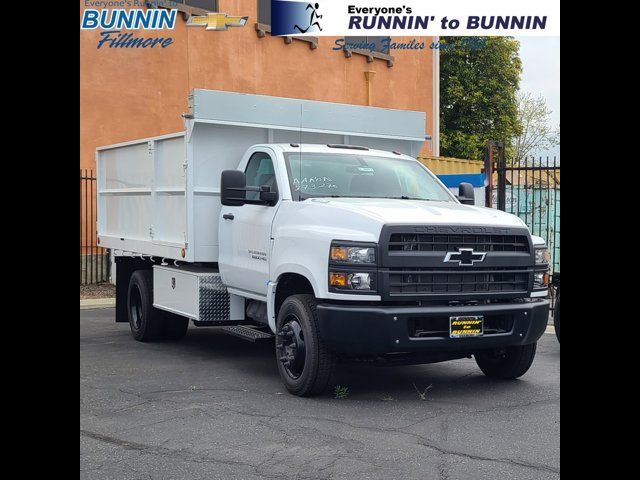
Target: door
[[245, 232]]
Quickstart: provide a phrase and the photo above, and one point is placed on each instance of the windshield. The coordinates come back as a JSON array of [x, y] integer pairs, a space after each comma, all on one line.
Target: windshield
[[336, 175]]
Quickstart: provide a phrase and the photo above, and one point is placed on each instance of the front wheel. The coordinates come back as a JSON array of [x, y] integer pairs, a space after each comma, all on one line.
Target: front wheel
[[507, 362], [304, 363]]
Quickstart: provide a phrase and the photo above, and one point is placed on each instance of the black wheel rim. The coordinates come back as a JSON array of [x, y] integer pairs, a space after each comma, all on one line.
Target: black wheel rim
[[135, 307], [290, 347]]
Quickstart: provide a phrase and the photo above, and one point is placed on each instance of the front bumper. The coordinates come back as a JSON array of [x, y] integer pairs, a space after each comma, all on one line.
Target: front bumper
[[369, 330]]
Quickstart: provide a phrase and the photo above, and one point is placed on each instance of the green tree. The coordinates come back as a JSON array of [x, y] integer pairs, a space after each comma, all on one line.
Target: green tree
[[479, 79]]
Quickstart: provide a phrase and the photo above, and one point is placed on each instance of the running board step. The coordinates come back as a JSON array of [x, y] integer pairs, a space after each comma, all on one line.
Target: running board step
[[247, 333]]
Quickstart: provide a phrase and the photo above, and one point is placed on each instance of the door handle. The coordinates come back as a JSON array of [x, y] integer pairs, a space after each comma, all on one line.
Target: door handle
[[228, 216]]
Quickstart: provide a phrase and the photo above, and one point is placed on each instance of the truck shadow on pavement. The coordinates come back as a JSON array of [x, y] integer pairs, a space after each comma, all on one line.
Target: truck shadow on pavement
[[253, 366]]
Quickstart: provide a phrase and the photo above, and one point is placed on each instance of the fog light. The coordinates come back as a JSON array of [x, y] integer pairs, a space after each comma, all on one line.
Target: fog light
[[346, 281]]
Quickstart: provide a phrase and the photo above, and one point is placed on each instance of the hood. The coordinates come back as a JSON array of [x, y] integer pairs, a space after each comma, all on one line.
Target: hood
[[396, 211]]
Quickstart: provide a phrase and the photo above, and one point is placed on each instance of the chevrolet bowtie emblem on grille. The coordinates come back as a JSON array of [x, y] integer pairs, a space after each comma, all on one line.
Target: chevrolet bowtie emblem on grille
[[217, 21], [465, 257]]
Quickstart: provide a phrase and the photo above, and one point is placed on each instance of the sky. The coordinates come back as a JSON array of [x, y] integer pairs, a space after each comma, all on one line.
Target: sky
[[541, 73]]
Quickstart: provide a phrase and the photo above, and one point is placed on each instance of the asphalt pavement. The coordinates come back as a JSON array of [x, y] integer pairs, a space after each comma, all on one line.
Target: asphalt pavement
[[212, 406]]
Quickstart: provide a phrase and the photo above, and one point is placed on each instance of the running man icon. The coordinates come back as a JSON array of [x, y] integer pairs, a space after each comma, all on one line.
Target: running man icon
[[314, 13]]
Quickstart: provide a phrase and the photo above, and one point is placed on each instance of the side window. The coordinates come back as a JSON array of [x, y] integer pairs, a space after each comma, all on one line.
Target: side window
[[260, 172]]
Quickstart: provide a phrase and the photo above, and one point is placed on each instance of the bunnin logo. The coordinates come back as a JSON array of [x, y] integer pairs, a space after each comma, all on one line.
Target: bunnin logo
[[113, 21], [135, 18], [295, 18]]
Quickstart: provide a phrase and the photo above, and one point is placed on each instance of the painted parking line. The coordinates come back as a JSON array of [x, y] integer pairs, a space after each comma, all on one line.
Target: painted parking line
[[550, 329]]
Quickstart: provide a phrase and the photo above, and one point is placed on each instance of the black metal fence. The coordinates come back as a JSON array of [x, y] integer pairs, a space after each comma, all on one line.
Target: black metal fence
[[94, 260], [530, 189]]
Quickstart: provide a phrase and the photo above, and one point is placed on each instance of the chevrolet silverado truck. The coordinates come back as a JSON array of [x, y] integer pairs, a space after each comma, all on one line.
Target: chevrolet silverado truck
[[313, 224]]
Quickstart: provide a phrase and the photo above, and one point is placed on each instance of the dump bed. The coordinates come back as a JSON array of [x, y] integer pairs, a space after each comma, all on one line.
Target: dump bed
[[160, 196]]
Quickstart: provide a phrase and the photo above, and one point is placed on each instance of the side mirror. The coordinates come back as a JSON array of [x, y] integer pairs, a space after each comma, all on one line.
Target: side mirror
[[232, 188], [466, 195]]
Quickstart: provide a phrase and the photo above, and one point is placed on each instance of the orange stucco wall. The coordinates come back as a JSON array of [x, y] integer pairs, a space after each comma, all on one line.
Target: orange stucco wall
[[129, 93]]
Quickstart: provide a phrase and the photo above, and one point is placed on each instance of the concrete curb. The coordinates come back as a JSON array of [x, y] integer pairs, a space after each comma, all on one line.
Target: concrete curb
[[97, 303]]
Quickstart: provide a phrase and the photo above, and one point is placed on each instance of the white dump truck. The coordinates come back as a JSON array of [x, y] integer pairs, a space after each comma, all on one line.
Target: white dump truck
[[313, 223]]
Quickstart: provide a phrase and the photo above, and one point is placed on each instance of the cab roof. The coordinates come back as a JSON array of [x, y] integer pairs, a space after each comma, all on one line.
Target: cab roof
[[335, 149]]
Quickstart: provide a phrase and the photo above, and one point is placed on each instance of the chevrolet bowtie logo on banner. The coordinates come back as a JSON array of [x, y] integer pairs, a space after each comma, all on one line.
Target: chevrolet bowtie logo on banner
[[217, 21]]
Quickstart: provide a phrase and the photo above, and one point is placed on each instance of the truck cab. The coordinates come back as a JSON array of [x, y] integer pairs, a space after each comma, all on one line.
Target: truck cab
[[338, 251], [381, 251]]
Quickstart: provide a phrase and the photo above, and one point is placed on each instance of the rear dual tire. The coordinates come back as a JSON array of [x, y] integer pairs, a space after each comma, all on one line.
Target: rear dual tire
[[147, 322]]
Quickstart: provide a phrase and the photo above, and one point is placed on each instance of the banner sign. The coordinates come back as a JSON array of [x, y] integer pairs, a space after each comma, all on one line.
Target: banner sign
[[416, 18]]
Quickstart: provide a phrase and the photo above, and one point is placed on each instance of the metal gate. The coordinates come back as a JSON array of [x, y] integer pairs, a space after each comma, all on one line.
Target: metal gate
[[530, 189], [94, 260]]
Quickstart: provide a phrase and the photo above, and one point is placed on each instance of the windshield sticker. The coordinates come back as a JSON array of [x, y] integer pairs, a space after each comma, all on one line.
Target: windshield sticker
[[313, 183]]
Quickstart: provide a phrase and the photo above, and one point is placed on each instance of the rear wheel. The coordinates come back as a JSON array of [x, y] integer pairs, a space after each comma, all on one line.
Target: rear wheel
[[304, 363], [175, 327], [508, 362], [146, 322]]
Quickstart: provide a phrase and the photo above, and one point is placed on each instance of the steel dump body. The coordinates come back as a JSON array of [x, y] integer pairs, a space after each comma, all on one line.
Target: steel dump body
[[160, 196]]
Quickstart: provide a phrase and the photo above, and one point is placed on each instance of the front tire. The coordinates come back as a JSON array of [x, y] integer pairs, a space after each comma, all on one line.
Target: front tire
[[506, 363], [304, 362]]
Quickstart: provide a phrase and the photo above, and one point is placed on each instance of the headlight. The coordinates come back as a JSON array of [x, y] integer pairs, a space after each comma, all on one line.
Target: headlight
[[541, 275], [345, 281], [352, 267], [345, 254], [542, 256]]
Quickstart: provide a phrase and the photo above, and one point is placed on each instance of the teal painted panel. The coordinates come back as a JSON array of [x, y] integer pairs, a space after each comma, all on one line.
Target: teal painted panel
[[539, 208]]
